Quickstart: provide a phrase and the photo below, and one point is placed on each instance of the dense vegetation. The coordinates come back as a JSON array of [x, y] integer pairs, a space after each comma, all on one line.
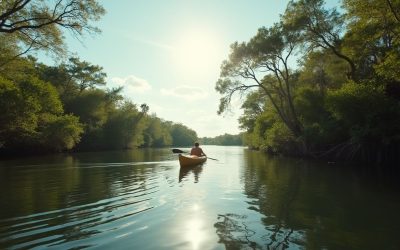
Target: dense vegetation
[[56, 108], [224, 140], [343, 99]]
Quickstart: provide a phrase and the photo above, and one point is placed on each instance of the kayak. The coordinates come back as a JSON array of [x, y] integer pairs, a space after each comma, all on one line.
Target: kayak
[[191, 160]]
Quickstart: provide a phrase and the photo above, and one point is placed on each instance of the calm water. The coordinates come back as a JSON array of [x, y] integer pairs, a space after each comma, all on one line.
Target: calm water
[[143, 200]]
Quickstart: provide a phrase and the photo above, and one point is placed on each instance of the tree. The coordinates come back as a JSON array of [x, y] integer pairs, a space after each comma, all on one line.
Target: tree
[[225, 139], [124, 128], [84, 74], [319, 28], [31, 117], [90, 106], [322, 70], [59, 77], [263, 63], [37, 24], [59, 133], [374, 40], [182, 135], [253, 107], [368, 118], [156, 134]]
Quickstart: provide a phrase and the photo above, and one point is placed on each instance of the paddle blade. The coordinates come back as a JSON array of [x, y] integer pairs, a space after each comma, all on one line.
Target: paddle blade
[[175, 150], [212, 158]]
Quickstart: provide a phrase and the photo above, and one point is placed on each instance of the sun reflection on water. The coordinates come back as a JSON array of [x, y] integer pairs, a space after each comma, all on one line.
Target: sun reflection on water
[[194, 233]]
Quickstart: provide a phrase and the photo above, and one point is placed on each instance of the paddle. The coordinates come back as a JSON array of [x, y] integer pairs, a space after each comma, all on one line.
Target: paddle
[[178, 151], [212, 158], [175, 150]]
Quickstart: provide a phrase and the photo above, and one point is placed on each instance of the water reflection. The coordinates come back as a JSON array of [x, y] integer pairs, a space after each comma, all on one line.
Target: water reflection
[[272, 193], [293, 204], [233, 232], [194, 232], [126, 200], [69, 200], [184, 173]]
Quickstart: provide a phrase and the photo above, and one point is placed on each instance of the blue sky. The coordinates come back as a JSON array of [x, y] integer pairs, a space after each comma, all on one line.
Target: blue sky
[[167, 53]]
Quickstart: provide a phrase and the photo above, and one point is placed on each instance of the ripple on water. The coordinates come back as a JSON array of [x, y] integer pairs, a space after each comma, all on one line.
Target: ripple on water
[[70, 226]]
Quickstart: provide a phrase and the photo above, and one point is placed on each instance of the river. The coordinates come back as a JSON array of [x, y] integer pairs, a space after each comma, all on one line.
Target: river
[[142, 199]]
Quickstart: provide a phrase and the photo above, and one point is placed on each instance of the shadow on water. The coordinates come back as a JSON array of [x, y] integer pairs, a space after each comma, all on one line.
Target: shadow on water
[[184, 172], [294, 204]]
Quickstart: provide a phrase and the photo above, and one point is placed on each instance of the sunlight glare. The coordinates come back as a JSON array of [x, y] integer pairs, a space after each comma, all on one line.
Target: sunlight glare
[[198, 51], [194, 233], [195, 207]]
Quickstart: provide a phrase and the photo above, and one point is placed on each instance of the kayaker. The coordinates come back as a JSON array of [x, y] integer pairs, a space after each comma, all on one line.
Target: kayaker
[[196, 150]]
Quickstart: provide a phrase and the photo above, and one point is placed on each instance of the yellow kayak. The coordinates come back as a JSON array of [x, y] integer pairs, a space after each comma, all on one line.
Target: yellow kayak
[[191, 160]]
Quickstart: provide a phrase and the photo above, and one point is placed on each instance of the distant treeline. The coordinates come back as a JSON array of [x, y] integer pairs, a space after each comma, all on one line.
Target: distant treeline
[[225, 140], [342, 102]]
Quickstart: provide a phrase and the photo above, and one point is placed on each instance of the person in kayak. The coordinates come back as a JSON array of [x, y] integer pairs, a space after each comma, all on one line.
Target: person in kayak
[[196, 150]]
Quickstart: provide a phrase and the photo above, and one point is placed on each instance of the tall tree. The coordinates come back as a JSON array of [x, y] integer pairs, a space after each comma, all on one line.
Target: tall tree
[[125, 127], [374, 40], [263, 63], [84, 74], [182, 135], [319, 28], [31, 113]]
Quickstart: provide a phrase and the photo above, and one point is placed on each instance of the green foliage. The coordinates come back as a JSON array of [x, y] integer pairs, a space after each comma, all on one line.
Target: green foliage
[[18, 115], [263, 63], [323, 70], [157, 133], [373, 36], [318, 28], [59, 133], [85, 74], [61, 107], [279, 139], [38, 25], [389, 68], [320, 128], [31, 114], [90, 106], [182, 135], [252, 107], [56, 108], [124, 128], [59, 78], [366, 113], [225, 140], [310, 103], [345, 98]]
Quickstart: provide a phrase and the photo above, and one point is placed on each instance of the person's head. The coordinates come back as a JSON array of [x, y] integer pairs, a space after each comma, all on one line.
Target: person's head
[[196, 144]]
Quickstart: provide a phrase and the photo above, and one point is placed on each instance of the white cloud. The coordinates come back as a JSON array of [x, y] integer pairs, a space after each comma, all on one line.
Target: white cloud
[[185, 92], [132, 84]]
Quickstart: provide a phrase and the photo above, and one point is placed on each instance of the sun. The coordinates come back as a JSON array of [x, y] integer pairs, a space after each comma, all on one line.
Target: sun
[[197, 52]]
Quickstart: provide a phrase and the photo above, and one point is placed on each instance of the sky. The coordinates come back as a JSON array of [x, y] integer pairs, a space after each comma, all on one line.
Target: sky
[[167, 54]]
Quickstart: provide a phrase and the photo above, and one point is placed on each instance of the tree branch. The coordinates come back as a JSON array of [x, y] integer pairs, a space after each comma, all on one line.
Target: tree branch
[[14, 9], [392, 9]]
